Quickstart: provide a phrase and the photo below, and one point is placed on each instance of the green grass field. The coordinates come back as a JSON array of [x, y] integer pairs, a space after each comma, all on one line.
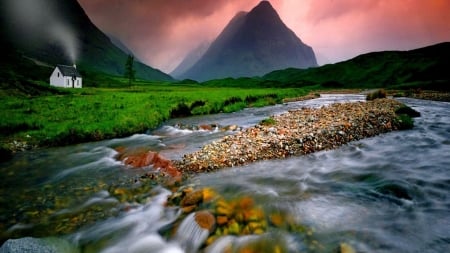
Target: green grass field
[[91, 114]]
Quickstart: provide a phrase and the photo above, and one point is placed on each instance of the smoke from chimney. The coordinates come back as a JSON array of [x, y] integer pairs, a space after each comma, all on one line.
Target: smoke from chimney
[[38, 21]]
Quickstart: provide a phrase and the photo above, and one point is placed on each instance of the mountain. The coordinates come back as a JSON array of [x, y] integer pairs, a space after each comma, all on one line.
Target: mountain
[[252, 44], [59, 32], [119, 44], [425, 68], [191, 58]]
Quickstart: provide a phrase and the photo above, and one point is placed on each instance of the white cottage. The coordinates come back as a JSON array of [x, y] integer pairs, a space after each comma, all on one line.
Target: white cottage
[[66, 77]]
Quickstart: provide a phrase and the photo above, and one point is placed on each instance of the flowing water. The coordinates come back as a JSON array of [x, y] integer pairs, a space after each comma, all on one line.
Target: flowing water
[[389, 193]]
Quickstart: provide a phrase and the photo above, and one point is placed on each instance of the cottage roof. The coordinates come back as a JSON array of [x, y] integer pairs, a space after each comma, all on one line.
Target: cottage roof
[[68, 70]]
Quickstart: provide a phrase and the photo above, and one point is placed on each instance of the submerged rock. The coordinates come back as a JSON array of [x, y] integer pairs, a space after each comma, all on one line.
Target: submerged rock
[[30, 244], [346, 248]]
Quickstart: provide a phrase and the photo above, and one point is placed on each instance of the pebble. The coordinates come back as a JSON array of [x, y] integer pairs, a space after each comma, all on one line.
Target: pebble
[[297, 132]]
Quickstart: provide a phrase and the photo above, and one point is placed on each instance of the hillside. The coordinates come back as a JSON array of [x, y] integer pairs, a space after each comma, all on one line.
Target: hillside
[[424, 67], [67, 37]]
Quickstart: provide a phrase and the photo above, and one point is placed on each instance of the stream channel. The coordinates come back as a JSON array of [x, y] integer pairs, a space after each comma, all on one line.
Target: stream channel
[[389, 193]]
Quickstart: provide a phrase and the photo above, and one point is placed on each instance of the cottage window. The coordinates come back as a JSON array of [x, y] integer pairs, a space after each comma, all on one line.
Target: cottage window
[[58, 74]]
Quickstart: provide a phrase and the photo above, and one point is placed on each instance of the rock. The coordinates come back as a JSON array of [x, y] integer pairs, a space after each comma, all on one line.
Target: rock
[[205, 127], [224, 209], [346, 248], [205, 220], [138, 158], [192, 198], [222, 220], [31, 245]]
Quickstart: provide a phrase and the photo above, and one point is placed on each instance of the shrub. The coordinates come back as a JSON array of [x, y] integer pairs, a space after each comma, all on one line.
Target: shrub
[[404, 122], [399, 94], [232, 100], [268, 122], [182, 110], [197, 103], [251, 99], [408, 111], [376, 94]]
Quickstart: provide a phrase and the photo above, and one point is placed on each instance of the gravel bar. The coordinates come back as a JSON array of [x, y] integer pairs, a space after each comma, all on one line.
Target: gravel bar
[[296, 133]]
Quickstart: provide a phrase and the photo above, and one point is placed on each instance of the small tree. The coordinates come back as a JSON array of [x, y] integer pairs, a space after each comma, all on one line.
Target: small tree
[[129, 70]]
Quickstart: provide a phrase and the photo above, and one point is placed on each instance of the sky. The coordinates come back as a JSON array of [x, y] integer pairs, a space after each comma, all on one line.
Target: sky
[[162, 32]]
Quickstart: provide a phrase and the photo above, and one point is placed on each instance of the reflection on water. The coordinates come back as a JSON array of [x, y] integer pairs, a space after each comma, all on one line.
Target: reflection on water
[[384, 194]]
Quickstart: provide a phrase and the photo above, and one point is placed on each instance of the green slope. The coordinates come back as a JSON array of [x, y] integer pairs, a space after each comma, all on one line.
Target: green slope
[[425, 68]]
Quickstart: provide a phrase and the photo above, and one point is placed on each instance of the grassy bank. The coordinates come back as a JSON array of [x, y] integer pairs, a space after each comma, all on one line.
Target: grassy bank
[[92, 114]]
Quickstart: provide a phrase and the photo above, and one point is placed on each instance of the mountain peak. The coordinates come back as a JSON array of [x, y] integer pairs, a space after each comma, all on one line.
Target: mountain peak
[[252, 44], [264, 9], [264, 4]]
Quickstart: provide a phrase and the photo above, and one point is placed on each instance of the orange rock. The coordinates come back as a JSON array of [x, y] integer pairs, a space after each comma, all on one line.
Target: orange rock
[[192, 198], [205, 220], [222, 220], [189, 209], [277, 219], [246, 203], [206, 127], [142, 158]]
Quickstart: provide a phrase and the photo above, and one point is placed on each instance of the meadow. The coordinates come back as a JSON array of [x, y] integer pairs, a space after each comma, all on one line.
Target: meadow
[[92, 114]]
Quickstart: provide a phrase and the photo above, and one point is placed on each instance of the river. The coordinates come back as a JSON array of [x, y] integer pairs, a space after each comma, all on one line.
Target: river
[[389, 193]]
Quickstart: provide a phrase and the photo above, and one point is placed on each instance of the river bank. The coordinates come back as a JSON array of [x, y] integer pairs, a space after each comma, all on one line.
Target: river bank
[[97, 114], [297, 132]]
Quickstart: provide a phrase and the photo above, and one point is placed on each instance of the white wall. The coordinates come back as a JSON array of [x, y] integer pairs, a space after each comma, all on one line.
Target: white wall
[[64, 81], [55, 80]]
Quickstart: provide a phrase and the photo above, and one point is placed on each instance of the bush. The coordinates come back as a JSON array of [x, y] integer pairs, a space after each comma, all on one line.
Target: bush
[[268, 122], [251, 99], [197, 103], [182, 110], [408, 111], [404, 122], [232, 100], [376, 94]]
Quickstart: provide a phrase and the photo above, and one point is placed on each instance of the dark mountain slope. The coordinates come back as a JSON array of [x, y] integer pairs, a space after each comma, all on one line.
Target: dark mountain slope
[[253, 44], [64, 32]]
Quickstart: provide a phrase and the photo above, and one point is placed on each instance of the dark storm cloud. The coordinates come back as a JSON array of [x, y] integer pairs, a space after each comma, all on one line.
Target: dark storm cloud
[[151, 27]]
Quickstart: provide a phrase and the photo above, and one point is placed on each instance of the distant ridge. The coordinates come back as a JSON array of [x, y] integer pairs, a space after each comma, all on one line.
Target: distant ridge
[[425, 68], [252, 44], [189, 61]]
